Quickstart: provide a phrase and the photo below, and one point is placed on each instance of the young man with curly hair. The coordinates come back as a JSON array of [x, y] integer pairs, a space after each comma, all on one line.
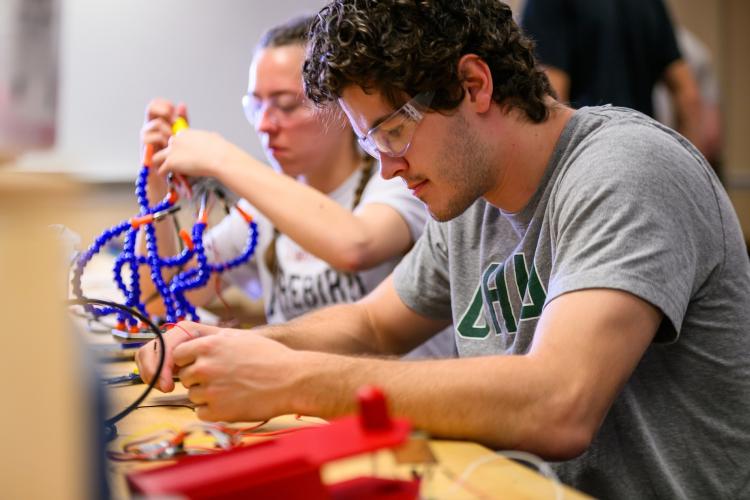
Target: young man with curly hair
[[591, 263]]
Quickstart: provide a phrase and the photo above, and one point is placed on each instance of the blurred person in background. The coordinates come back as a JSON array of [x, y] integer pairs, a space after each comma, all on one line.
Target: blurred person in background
[[330, 228], [599, 52]]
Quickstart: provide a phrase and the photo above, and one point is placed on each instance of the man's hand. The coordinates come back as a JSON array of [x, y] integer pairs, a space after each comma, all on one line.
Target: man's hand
[[238, 375], [147, 357]]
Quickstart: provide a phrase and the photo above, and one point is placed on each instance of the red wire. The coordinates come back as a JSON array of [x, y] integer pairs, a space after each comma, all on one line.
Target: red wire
[[175, 325], [217, 285], [179, 438], [281, 431]]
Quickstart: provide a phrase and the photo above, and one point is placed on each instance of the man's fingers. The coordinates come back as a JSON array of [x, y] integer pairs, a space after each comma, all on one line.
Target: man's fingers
[[197, 395], [165, 384], [189, 376], [147, 357], [147, 360], [140, 363], [186, 353], [205, 413]]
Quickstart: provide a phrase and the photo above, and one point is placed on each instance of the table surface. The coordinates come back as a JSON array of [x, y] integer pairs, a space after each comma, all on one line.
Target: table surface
[[462, 470], [495, 478]]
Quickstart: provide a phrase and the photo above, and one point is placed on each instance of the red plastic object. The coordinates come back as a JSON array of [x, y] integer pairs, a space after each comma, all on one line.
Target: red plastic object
[[373, 410], [289, 466]]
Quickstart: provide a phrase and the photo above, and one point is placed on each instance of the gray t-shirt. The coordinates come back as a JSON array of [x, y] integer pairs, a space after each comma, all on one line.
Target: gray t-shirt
[[625, 204]]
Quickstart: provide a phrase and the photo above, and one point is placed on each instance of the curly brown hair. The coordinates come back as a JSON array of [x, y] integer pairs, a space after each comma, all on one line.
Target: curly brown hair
[[403, 47]]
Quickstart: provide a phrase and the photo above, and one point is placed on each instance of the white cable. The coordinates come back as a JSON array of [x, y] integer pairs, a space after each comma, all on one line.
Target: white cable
[[542, 466]]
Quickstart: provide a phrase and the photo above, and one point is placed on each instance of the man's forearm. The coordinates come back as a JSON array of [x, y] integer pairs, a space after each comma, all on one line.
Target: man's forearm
[[329, 330], [501, 402]]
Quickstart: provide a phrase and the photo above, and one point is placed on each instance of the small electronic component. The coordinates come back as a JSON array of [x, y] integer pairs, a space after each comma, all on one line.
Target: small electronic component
[[289, 466], [130, 378]]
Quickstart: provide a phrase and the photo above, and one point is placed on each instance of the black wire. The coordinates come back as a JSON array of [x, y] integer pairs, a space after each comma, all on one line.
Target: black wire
[[168, 406], [84, 301], [223, 197], [110, 432]]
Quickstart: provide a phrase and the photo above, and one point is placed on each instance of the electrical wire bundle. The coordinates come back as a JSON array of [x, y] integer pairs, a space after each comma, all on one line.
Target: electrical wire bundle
[[85, 302], [172, 290]]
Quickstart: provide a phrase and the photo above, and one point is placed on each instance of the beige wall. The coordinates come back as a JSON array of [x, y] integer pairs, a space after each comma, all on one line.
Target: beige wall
[[736, 75], [723, 26]]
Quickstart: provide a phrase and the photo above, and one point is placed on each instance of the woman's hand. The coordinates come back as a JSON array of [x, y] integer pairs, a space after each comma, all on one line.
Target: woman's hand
[[195, 153], [156, 132]]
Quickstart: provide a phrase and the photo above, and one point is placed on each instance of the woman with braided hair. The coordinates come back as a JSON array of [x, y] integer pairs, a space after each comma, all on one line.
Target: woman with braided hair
[[330, 228]]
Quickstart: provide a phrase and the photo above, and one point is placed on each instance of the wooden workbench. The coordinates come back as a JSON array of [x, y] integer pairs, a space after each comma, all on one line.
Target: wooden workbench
[[499, 478]]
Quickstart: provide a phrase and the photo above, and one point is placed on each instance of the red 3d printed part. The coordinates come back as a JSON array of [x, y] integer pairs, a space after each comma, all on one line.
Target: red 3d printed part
[[289, 466]]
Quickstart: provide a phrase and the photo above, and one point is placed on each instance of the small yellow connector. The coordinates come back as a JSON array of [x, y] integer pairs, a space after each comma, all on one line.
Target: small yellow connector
[[179, 124]]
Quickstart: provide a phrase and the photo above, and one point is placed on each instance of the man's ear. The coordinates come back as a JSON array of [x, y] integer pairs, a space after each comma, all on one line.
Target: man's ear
[[476, 79]]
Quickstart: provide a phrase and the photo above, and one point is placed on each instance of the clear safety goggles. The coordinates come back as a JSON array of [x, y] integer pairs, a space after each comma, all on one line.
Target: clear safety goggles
[[392, 136]]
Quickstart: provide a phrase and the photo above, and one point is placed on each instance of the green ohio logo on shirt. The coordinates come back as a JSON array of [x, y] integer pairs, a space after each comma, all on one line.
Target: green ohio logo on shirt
[[492, 305]]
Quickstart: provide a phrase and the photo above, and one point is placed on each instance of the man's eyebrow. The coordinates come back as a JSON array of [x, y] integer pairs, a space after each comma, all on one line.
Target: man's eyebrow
[[380, 120], [375, 123]]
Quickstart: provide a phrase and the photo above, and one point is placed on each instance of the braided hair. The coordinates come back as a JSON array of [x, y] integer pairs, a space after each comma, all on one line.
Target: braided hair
[[295, 32]]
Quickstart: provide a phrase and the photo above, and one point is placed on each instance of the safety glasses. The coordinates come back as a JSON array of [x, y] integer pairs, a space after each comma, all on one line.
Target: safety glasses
[[392, 137], [280, 109]]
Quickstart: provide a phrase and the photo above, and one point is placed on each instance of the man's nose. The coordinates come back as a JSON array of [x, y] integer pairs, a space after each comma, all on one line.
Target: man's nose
[[390, 167]]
